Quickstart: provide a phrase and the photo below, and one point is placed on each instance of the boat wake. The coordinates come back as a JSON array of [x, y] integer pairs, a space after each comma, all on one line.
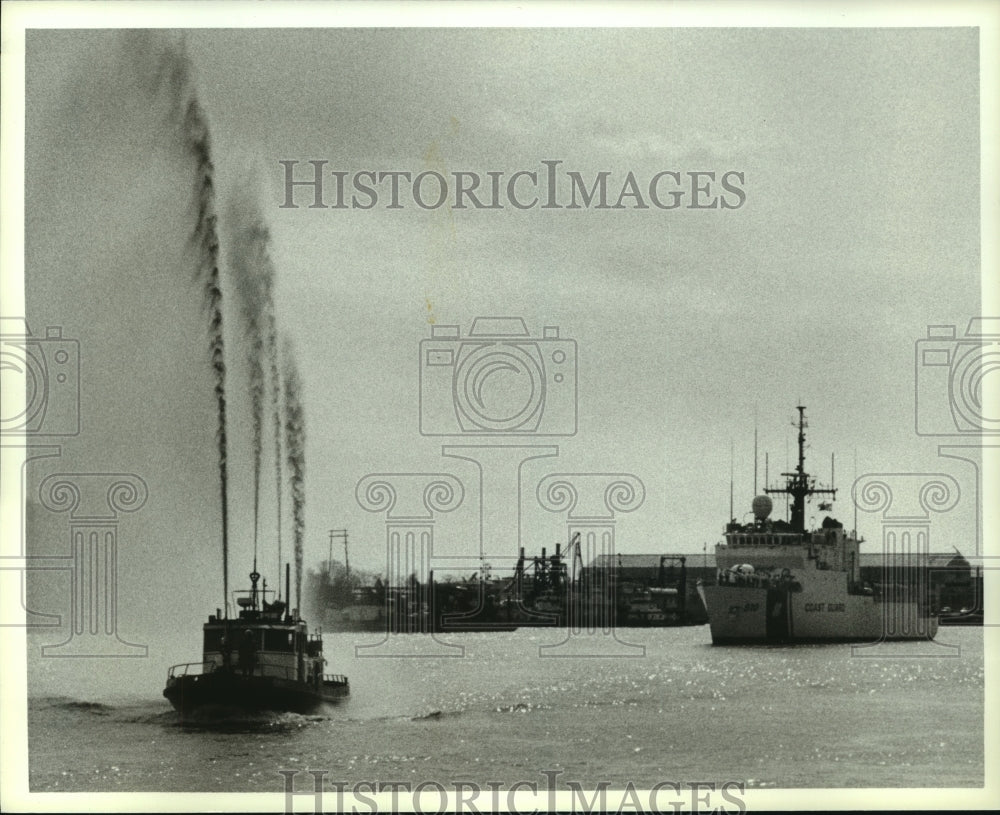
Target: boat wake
[[222, 719], [520, 707], [70, 704]]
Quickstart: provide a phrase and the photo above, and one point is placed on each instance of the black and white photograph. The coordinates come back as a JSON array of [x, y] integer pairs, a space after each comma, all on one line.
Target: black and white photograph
[[447, 407]]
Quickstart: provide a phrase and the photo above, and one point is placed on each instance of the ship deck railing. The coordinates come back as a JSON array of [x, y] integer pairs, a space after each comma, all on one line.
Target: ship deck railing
[[757, 580], [185, 668], [266, 669], [338, 679]]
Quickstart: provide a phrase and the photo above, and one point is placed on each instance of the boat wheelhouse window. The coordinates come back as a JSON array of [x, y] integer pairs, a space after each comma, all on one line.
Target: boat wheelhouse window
[[213, 639], [278, 641]]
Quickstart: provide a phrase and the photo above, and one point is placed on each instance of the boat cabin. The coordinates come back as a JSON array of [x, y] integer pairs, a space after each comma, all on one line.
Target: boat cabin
[[264, 639], [769, 547]]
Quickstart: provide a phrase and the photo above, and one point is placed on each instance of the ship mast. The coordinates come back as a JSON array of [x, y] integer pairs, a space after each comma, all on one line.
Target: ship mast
[[799, 485]]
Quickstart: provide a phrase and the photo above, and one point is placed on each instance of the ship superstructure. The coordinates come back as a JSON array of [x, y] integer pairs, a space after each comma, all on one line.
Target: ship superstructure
[[779, 582], [262, 659]]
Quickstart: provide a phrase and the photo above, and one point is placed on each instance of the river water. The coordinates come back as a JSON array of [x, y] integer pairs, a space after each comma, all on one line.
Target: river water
[[683, 711]]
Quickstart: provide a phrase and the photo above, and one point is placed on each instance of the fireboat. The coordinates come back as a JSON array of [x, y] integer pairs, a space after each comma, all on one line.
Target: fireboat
[[264, 659]]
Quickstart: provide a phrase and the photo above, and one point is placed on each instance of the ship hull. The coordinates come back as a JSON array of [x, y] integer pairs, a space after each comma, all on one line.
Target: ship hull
[[754, 615], [221, 690]]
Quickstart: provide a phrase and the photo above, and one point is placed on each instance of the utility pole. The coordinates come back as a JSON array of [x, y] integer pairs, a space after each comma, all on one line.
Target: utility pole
[[339, 533]]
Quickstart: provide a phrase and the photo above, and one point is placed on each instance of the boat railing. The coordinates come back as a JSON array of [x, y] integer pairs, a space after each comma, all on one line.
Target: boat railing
[[761, 579], [268, 669], [186, 668], [339, 679]]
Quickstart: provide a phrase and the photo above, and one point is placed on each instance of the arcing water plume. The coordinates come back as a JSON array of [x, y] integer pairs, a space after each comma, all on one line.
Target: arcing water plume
[[253, 274], [174, 73], [295, 450], [272, 352]]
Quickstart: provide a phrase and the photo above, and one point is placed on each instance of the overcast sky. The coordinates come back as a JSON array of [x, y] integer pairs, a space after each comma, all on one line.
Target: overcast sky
[[859, 155]]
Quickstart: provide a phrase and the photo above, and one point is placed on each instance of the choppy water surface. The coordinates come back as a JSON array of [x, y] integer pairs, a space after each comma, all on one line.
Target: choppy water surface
[[804, 716]]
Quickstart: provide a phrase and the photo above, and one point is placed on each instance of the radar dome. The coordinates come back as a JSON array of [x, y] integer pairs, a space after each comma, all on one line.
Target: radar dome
[[761, 507]]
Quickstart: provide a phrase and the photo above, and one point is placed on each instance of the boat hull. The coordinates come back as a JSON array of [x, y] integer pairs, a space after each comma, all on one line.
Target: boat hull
[[222, 690], [748, 615], [968, 618]]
